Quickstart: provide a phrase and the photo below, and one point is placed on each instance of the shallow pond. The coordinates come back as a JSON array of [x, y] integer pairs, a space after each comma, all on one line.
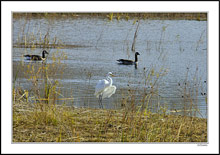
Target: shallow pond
[[177, 48]]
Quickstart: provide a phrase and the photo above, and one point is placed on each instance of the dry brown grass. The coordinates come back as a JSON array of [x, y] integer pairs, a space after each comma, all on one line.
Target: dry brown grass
[[54, 123], [118, 15]]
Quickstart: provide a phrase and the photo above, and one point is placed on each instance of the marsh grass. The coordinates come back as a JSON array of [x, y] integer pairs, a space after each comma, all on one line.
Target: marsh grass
[[190, 90], [117, 15], [54, 123], [41, 76]]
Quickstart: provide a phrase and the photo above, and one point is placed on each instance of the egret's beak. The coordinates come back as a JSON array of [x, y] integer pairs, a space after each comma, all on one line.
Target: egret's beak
[[112, 75]]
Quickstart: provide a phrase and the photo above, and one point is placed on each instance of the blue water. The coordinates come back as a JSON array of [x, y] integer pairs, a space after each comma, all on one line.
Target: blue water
[[177, 48]]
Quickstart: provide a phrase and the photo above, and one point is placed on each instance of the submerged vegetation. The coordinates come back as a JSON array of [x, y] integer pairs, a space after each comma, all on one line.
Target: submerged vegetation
[[38, 118]]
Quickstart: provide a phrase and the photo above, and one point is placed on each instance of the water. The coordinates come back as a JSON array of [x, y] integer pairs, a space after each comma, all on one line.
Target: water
[[178, 47]]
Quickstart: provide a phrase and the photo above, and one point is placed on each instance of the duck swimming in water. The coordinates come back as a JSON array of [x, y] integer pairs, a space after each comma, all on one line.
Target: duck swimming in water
[[129, 62], [36, 57]]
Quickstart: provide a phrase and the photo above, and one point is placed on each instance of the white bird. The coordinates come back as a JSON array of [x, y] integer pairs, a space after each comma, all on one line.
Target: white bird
[[104, 88]]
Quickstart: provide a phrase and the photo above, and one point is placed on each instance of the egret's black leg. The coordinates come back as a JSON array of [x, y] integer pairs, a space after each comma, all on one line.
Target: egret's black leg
[[100, 98], [100, 101]]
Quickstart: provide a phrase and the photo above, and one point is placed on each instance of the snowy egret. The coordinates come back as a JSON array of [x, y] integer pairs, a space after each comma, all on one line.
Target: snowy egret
[[36, 57], [104, 88], [129, 62]]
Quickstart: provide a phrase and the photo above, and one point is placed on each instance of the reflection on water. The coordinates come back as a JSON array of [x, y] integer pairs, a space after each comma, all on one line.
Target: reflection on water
[[177, 48]]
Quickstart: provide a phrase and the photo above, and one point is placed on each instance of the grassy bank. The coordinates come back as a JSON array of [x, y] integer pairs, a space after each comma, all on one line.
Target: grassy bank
[[53, 123], [117, 15]]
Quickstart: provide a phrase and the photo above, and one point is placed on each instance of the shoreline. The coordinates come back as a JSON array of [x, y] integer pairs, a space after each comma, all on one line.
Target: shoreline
[[200, 16]]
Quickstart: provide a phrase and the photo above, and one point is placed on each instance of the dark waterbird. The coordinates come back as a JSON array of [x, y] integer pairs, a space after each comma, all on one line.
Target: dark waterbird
[[129, 62], [36, 57]]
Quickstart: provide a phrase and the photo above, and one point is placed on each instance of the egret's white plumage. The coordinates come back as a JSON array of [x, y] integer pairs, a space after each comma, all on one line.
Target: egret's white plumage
[[109, 92], [100, 87], [104, 88]]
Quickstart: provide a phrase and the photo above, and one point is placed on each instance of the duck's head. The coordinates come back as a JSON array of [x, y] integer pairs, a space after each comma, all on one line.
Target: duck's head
[[137, 53], [44, 51]]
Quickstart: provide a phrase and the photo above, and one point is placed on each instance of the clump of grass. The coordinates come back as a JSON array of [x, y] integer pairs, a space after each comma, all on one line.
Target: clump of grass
[[110, 16], [118, 16]]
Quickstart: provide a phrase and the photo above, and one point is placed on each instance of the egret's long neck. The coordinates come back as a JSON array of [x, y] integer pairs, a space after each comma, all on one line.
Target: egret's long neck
[[110, 80], [136, 58]]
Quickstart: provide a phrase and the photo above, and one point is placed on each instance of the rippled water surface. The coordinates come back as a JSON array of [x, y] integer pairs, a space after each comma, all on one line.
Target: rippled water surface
[[175, 47]]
